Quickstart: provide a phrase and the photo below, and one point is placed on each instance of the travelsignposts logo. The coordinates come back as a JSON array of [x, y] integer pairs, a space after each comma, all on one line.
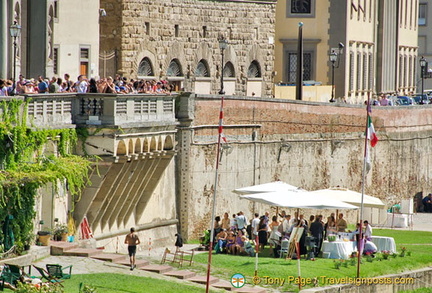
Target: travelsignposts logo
[[238, 280]]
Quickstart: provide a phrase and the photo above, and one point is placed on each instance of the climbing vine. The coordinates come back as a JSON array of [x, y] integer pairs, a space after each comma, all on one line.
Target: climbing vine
[[28, 163]]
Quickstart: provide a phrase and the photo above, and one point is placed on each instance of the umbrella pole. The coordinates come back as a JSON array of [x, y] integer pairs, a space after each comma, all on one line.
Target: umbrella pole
[[297, 244], [256, 254]]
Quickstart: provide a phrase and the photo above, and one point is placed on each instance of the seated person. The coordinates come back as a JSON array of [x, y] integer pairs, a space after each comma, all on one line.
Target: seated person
[[239, 243], [230, 242], [247, 246], [221, 240]]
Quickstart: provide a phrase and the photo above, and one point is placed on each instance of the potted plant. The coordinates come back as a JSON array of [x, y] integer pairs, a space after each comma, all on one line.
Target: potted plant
[[60, 232]]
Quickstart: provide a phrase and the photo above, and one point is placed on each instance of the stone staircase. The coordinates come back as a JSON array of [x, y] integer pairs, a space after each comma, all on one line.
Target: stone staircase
[[72, 249]]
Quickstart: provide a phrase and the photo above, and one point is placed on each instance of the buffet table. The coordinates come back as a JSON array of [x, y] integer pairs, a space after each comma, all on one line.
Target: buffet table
[[338, 249], [397, 220], [384, 243]]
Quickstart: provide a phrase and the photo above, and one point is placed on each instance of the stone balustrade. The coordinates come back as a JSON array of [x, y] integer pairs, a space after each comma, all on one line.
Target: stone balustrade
[[66, 110]]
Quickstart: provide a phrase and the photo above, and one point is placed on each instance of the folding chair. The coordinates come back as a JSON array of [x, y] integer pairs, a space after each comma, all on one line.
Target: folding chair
[[59, 272], [284, 248], [9, 276], [47, 276]]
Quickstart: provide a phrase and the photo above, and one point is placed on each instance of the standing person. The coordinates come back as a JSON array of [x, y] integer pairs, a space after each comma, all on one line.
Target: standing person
[[262, 232], [226, 222], [368, 231], [82, 84], [241, 221], [341, 224], [317, 231], [132, 241], [254, 224], [69, 83]]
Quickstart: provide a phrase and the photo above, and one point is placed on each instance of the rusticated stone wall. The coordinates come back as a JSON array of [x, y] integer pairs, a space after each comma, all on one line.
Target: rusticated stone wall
[[139, 29], [306, 144]]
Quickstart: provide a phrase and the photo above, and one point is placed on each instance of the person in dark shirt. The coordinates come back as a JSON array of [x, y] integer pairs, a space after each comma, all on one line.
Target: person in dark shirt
[[317, 231]]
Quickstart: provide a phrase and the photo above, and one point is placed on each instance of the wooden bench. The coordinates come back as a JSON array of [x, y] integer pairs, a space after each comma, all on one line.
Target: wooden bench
[[178, 256]]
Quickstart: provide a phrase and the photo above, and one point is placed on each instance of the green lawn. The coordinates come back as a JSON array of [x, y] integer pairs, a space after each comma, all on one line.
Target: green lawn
[[225, 266], [118, 283]]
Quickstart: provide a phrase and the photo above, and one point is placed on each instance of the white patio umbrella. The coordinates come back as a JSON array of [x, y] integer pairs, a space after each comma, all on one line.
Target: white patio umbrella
[[299, 199], [266, 187], [349, 196]]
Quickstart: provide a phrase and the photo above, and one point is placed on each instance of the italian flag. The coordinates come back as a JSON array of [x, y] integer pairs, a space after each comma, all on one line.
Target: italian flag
[[371, 133]]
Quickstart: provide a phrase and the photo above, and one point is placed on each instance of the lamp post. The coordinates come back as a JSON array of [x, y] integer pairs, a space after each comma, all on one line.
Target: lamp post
[[223, 44], [333, 58], [423, 66], [15, 30]]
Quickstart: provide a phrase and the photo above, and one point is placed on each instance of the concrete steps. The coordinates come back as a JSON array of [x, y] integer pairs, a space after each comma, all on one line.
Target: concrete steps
[[111, 257], [72, 249], [126, 262], [180, 274], [160, 269], [84, 252], [203, 280]]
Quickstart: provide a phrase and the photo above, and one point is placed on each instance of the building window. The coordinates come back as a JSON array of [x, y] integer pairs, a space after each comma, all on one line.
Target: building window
[[292, 67], [422, 14], [174, 69], [56, 9], [55, 60], [176, 30], [254, 70], [145, 68], [304, 8], [351, 79], [147, 28], [365, 72], [359, 73], [84, 60], [228, 70], [371, 72], [204, 31], [202, 69]]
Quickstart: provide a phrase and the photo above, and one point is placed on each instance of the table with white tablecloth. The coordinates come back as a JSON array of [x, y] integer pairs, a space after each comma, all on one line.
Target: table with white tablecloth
[[384, 243], [338, 249], [397, 220]]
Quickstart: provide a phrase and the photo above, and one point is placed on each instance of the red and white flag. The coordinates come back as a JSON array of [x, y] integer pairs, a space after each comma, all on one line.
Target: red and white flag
[[373, 138]]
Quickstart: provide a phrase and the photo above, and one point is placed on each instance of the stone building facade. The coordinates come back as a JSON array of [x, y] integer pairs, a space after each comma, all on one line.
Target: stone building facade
[[178, 41], [374, 42], [56, 37], [307, 144]]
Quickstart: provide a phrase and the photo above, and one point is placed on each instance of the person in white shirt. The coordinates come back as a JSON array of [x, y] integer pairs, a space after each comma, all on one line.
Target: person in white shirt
[[82, 84], [254, 224], [3, 88], [368, 231], [241, 221]]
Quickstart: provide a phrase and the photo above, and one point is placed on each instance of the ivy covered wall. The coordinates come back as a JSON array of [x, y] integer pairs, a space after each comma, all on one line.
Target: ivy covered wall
[[26, 164]]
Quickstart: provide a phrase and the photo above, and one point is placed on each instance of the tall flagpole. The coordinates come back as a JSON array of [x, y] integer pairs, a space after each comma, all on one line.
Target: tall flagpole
[[360, 238], [214, 197]]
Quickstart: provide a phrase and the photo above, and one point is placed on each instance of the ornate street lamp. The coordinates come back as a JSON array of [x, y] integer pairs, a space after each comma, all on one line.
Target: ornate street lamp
[[333, 58], [223, 44], [423, 70], [15, 31]]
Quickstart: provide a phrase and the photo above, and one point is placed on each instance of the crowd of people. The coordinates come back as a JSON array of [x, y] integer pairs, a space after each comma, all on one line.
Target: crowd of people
[[237, 235], [117, 85]]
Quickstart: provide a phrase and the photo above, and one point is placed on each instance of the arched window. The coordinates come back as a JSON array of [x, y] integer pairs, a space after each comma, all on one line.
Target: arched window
[[202, 69], [254, 70], [174, 68], [228, 70], [145, 68]]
